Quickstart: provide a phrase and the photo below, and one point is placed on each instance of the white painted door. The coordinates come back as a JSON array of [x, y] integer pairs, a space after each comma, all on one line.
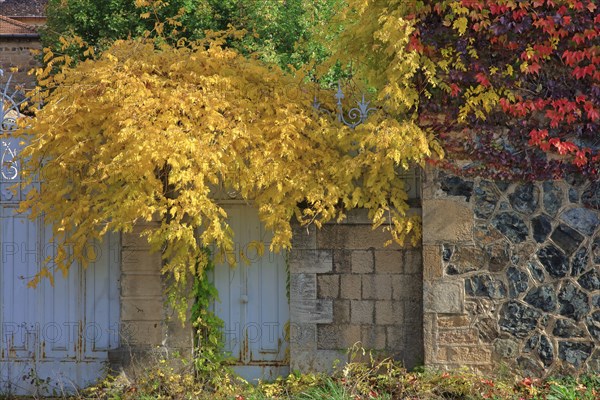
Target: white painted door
[[53, 339], [253, 301]]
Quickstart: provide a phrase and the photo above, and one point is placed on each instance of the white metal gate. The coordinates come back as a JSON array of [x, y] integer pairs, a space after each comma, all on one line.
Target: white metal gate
[[53, 339], [253, 301]]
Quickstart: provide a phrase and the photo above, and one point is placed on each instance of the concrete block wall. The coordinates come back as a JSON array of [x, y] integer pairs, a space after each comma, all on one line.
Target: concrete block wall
[[148, 327], [346, 287]]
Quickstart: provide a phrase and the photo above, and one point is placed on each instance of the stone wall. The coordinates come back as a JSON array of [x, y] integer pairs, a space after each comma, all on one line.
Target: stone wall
[[346, 287], [16, 53], [511, 274]]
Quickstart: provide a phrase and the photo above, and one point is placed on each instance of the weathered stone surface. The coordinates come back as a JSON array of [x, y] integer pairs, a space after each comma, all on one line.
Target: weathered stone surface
[[388, 262], [362, 311], [350, 287], [525, 198], [311, 311], [590, 280], [506, 348], [484, 233], [552, 197], [573, 195], [546, 351], [432, 262], [530, 367], [518, 319], [497, 256], [363, 261], [574, 353], [593, 324], [565, 328], [328, 286], [591, 196], [455, 186], [596, 301], [542, 297], [486, 197], [511, 225], [536, 271], [554, 261], [486, 286], [518, 282], [531, 343], [566, 238], [447, 220], [502, 185], [447, 251], [573, 302], [457, 336], [541, 226], [596, 250], [303, 286], [389, 312], [467, 258], [443, 297], [584, 220], [579, 262], [375, 286], [310, 261]]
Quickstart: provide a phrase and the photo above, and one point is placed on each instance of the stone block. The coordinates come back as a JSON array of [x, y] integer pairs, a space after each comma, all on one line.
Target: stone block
[[341, 311], [457, 336], [447, 220], [342, 261], [303, 336], [443, 297], [310, 261], [465, 355], [377, 287], [406, 287], [141, 333], [413, 312], [453, 321], [389, 261], [361, 311], [350, 287], [311, 311], [133, 309], [373, 337], [303, 287], [362, 262], [304, 237], [389, 312], [321, 360], [328, 286], [330, 337], [140, 261], [141, 285], [432, 262], [429, 342]]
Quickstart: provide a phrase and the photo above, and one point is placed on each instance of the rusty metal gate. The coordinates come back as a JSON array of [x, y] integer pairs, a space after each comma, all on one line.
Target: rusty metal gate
[[53, 339], [253, 301]]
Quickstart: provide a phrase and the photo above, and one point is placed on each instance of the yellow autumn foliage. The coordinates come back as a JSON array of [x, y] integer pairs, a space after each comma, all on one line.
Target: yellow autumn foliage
[[141, 134]]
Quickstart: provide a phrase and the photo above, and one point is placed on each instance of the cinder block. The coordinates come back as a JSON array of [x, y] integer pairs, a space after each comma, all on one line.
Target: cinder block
[[328, 286], [342, 261], [389, 261], [133, 309], [141, 333], [413, 261], [350, 287], [311, 261], [141, 285], [406, 287], [355, 237], [361, 311], [373, 337], [389, 312], [362, 261], [341, 312], [140, 261], [304, 237], [377, 287], [303, 336]]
